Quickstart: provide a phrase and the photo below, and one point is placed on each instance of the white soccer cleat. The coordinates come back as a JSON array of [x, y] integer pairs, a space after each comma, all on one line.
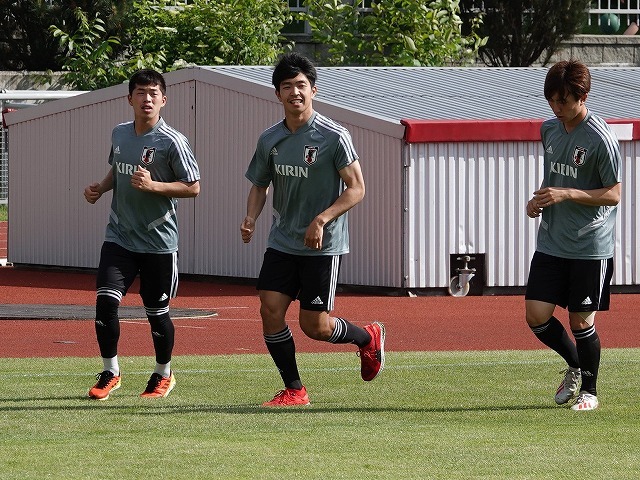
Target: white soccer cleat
[[585, 401], [569, 385]]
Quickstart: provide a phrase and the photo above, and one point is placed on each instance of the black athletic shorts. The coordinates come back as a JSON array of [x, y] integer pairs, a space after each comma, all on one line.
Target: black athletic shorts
[[311, 279], [158, 273], [578, 285]]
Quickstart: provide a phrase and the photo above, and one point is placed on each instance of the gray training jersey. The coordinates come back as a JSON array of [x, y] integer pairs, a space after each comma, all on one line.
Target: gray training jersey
[[587, 158], [303, 167], [146, 222]]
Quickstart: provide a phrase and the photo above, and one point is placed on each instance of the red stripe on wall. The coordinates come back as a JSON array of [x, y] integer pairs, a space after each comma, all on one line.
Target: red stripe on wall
[[425, 131]]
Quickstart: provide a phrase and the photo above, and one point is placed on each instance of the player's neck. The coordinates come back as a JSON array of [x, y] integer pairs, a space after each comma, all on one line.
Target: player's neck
[[294, 121], [143, 125]]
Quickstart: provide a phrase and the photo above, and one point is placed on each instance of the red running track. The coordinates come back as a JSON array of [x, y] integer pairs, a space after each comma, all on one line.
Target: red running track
[[426, 323]]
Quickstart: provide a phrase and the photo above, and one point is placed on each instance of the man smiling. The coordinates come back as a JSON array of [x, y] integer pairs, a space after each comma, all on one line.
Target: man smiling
[[316, 177]]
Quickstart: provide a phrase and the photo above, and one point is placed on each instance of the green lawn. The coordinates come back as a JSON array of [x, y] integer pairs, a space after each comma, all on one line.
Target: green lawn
[[451, 415], [4, 214]]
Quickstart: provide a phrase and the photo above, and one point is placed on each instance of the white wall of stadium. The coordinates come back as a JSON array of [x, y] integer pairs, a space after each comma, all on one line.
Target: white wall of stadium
[[425, 199]]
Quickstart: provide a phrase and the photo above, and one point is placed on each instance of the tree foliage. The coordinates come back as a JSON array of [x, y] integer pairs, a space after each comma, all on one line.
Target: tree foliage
[[25, 41], [161, 36], [89, 63], [233, 32], [521, 33], [393, 32]]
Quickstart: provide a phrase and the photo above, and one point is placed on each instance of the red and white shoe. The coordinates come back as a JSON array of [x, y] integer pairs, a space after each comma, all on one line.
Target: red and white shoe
[[584, 402]]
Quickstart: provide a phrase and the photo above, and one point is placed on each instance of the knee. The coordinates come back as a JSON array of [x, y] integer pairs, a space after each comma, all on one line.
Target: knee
[[581, 320], [106, 308], [538, 313], [273, 320], [269, 314], [533, 320]]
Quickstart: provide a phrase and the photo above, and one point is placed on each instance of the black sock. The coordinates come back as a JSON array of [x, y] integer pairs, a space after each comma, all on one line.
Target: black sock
[[554, 336], [345, 332], [588, 345], [107, 325], [163, 334], [283, 351]]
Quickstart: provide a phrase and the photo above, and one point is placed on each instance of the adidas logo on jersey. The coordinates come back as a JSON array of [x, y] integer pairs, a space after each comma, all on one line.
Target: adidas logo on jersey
[[317, 301], [117, 150], [587, 301], [549, 149], [163, 297], [273, 152]]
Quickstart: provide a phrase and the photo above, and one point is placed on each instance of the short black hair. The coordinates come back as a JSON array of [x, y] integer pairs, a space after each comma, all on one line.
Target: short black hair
[[290, 65], [146, 77]]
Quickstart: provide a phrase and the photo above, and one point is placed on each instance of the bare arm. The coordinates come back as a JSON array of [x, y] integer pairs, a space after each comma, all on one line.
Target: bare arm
[[547, 196], [94, 191], [141, 180], [255, 203], [350, 197]]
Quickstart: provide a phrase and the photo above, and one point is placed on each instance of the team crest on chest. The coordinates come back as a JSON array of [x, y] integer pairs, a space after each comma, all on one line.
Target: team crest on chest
[[147, 155], [310, 154], [579, 156]]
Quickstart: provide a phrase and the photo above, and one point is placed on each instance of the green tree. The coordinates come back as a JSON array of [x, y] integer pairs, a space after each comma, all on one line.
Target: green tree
[[232, 32], [393, 32], [89, 62], [25, 41], [521, 33], [162, 36]]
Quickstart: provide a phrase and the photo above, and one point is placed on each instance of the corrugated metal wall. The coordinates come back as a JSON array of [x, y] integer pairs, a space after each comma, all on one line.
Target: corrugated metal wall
[[224, 152], [471, 197], [423, 202], [627, 266], [57, 155]]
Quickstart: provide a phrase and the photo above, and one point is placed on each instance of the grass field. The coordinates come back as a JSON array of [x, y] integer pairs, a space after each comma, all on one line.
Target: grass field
[[452, 415], [4, 212]]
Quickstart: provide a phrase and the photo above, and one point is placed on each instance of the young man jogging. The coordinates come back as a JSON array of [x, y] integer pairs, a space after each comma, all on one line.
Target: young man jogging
[[151, 166], [314, 169]]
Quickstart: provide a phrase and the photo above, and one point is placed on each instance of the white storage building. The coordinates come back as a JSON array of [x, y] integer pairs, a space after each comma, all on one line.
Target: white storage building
[[450, 158]]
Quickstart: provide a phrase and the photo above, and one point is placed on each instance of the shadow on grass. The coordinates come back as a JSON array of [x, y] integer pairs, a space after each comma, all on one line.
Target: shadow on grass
[[155, 407]]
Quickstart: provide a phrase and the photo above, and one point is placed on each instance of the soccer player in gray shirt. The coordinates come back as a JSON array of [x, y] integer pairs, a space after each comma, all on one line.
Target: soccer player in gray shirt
[[314, 169], [573, 263], [152, 165]]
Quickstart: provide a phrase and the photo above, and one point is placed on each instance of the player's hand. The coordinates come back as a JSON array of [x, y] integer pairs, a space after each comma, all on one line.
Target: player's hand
[[247, 228], [533, 210], [313, 236], [92, 193], [545, 197], [141, 179]]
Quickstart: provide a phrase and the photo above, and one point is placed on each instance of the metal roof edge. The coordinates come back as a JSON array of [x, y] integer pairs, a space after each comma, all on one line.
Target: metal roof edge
[[226, 79], [370, 121], [65, 104]]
